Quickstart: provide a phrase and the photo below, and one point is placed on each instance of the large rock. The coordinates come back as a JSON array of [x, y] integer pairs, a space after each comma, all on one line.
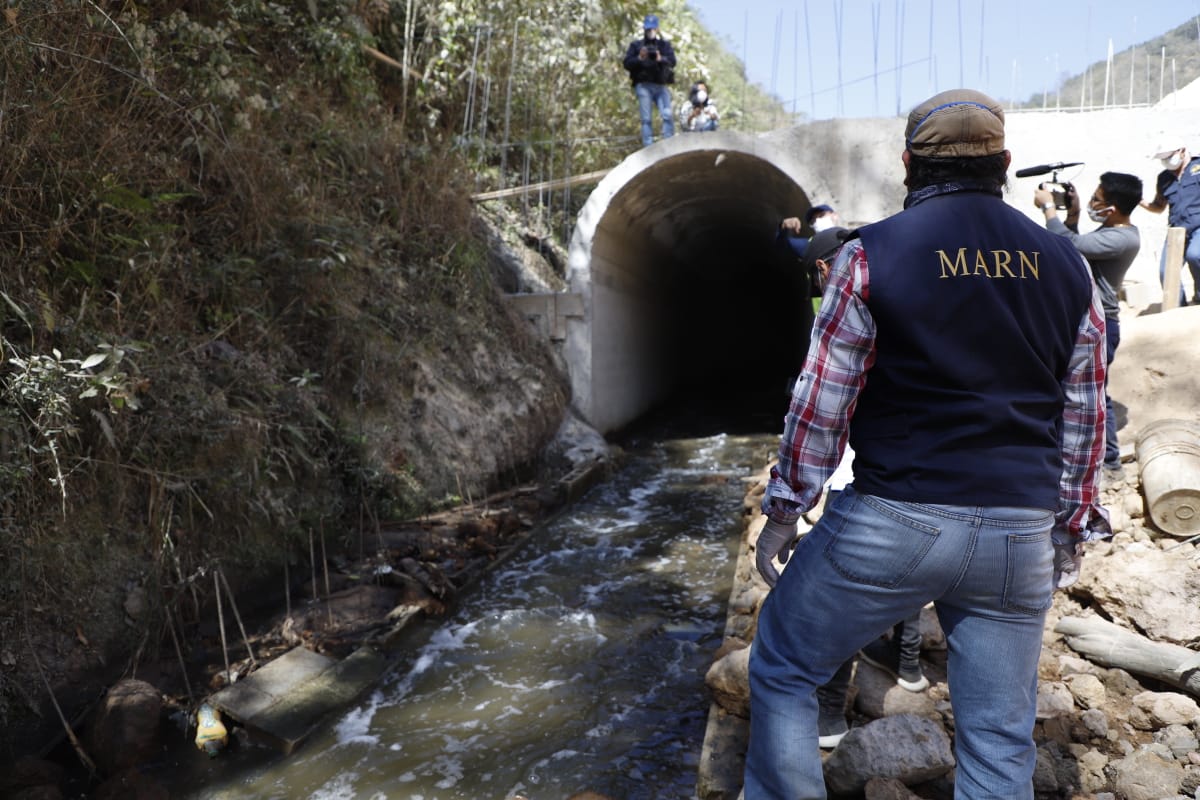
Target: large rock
[[1156, 372], [906, 747], [1145, 775], [880, 696], [1154, 710], [729, 680], [1147, 590], [125, 730]]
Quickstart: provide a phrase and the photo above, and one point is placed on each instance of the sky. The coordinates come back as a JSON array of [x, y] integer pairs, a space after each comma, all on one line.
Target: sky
[[892, 54]]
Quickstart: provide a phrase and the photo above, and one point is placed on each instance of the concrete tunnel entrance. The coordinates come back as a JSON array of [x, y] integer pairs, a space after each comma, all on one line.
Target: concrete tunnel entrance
[[686, 297]]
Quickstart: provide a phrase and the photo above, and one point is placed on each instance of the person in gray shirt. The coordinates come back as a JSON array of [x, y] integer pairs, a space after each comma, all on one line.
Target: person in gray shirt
[[1110, 250]]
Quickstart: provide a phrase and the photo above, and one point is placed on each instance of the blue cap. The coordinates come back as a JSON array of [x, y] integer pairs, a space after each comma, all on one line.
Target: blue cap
[[815, 211], [651, 22]]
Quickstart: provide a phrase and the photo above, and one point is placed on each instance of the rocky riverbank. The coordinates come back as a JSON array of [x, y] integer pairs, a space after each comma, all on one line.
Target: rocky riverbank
[[1103, 731], [407, 572], [1118, 717]]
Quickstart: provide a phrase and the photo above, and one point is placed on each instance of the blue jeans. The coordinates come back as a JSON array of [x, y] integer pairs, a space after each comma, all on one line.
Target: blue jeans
[[869, 562], [1112, 447], [1191, 257], [650, 95]]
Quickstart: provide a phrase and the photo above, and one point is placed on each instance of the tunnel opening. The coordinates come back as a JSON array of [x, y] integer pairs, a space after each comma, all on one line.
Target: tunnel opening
[[693, 302]]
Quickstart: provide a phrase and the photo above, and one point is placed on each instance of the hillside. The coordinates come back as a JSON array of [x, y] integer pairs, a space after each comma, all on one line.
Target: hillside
[[247, 303], [1140, 75]]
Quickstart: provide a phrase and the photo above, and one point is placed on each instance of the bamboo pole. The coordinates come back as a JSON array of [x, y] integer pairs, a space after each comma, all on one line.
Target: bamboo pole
[[391, 62], [221, 624], [238, 618], [559, 183]]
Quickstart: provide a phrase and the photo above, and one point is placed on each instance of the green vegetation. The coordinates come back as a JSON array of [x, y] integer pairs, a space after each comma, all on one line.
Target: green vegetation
[[245, 296]]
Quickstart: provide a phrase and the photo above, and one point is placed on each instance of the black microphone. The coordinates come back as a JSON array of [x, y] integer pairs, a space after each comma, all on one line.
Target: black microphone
[[1042, 169]]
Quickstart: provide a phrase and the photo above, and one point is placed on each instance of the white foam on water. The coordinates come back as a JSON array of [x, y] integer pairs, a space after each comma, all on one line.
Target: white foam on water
[[339, 787], [451, 770], [509, 711], [355, 726], [601, 731]]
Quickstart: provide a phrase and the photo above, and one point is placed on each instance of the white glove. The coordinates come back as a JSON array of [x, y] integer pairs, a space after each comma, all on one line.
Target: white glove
[[775, 541], [1068, 557]]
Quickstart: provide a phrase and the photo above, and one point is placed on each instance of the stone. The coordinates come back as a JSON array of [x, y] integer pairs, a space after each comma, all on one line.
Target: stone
[[880, 696], [1134, 505], [1096, 722], [1167, 708], [1045, 777], [729, 680], [125, 731], [1144, 775], [1054, 699], [907, 747], [888, 789], [1073, 665], [1088, 690], [1179, 739], [1147, 590]]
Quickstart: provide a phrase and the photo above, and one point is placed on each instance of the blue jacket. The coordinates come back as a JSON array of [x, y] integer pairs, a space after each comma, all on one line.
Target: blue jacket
[[650, 70], [977, 311], [1183, 194]]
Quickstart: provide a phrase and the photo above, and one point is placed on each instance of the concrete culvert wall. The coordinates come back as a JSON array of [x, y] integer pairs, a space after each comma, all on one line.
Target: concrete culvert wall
[[672, 259], [684, 291]]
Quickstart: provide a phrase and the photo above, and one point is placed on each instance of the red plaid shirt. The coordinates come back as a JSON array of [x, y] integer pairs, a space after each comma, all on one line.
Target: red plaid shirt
[[842, 351]]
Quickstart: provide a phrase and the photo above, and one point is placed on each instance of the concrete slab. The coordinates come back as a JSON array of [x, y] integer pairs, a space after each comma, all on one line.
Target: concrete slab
[[282, 703]]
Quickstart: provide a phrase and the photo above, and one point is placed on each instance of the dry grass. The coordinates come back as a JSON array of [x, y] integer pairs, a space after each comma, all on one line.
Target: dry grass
[[249, 231]]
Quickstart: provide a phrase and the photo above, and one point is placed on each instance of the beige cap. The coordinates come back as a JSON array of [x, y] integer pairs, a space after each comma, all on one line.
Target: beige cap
[[956, 124], [1163, 154]]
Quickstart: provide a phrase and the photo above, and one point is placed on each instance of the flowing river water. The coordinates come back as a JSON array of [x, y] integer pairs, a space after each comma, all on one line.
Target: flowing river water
[[576, 665]]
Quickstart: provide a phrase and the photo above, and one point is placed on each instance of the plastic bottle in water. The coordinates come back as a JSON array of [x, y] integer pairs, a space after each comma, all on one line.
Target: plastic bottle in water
[[211, 736]]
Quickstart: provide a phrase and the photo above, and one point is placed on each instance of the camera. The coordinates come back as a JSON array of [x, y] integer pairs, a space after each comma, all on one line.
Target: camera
[[652, 52], [1060, 192]]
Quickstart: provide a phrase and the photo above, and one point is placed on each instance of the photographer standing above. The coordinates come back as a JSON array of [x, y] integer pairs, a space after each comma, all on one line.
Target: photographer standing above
[[1179, 188], [651, 65], [699, 113], [1109, 250]]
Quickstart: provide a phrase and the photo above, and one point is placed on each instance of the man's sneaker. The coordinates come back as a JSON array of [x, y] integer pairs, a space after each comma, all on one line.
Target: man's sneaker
[[831, 729], [885, 654]]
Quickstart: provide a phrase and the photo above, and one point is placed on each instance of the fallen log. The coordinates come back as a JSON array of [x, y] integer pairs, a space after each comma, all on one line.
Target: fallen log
[[1110, 645]]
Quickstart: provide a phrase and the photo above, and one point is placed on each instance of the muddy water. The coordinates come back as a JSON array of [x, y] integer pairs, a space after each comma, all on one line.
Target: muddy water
[[577, 665]]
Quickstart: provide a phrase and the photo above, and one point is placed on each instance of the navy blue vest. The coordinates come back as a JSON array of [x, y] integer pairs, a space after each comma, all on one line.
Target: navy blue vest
[[977, 311], [1183, 196]]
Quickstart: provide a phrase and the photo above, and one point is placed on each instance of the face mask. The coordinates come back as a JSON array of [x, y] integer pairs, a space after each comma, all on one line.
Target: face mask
[[823, 223], [701, 96], [1173, 161], [1099, 214]]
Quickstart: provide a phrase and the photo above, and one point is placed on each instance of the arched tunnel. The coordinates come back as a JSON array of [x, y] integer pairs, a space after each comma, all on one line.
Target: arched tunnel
[[687, 299]]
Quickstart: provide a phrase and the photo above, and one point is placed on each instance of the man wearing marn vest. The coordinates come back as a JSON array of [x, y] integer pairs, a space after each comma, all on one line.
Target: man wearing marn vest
[[967, 343]]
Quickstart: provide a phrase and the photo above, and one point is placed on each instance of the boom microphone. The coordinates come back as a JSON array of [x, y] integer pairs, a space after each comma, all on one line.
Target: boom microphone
[[1042, 169]]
